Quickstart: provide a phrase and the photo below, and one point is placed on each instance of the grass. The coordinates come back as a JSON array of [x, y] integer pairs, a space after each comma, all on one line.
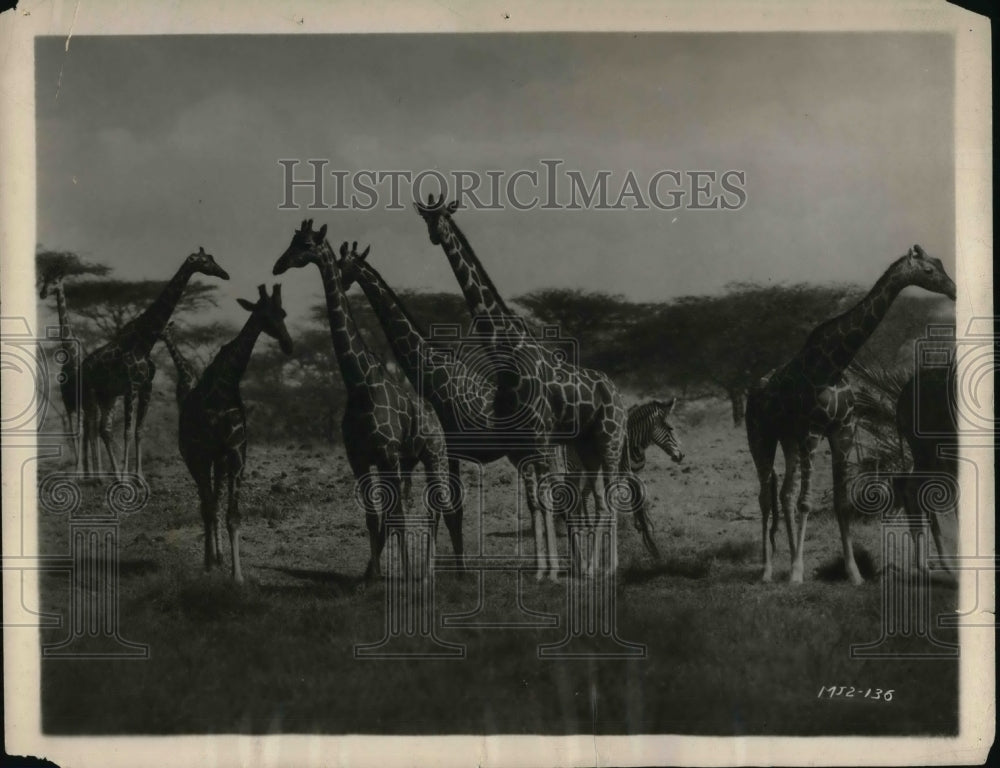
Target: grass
[[726, 654]]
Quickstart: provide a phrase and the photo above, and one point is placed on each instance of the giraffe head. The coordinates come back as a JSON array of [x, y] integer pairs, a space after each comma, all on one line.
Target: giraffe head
[[272, 316], [204, 263], [434, 214], [349, 262], [919, 269], [306, 247], [663, 431]]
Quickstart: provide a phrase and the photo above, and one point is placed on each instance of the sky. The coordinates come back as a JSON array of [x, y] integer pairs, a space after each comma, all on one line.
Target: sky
[[149, 147]]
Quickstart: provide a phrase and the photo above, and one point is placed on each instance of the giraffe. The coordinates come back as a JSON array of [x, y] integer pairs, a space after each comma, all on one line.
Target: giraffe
[[212, 428], [552, 401], [186, 374], [384, 427], [925, 417], [123, 367], [461, 396], [808, 399], [69, 391]]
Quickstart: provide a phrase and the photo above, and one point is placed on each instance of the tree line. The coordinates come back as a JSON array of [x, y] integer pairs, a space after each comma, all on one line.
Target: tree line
[[714, 345]]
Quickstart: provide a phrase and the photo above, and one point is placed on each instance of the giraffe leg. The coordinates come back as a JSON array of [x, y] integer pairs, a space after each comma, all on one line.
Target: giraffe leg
[[455, 512], [762, 449], [129, 406], [790, 451], [234, 470], [529, 476], [206, 495], [936, 533], [220, 471], [605, 561], [105, 432], [392, 510], [806, 451], [83, 456], [145, 395], [841, 442], [915, 517]]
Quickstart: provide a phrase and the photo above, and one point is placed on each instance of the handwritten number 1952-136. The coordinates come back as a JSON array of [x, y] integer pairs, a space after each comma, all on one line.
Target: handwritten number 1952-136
[[852, 692]]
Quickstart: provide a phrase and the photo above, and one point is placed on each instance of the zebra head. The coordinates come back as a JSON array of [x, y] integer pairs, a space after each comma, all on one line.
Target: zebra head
[[661, 431]]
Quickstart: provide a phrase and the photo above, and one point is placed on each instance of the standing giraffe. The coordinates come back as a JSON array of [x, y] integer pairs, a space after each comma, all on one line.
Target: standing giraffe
[[383, 427], [809, 399], [186, 373], [552, 401], [212, 430], [123, 367], [461, 397], [52, 282], [925, 417]]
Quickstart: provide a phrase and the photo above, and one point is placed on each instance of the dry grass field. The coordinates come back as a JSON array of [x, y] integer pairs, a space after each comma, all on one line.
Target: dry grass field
[[725, 654]]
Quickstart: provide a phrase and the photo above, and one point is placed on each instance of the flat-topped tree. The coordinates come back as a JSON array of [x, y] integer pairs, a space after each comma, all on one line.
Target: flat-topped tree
[[212, 430], [384, 428], [808, 399], [123, 367]]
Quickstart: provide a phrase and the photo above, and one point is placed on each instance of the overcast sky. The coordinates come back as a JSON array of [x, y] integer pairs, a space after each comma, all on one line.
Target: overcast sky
[[149, 147]]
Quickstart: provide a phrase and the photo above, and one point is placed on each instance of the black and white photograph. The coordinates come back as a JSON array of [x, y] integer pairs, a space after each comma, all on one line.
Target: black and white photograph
[[497, 385]]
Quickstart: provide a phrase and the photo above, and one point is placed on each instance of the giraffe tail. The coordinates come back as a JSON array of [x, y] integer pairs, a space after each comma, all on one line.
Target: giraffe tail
[[644, 525]]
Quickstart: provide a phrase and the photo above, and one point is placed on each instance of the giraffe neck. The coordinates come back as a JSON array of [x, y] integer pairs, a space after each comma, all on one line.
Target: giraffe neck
[[147, 328], [65, 332], [832, 345], [356, 362], [185, 373], [480, 293], [405, 334], [229, 365]]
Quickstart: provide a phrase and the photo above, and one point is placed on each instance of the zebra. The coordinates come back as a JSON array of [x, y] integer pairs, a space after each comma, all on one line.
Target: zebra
[[647, 424]]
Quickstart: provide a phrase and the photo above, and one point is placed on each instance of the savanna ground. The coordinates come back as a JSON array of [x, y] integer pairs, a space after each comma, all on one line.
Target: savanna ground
[[726, 654]]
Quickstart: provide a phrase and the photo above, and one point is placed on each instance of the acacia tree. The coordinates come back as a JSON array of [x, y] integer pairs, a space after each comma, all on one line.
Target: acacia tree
[[51, 264]]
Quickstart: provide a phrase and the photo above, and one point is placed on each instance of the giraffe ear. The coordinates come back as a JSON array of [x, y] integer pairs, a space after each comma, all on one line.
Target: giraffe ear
[[669, 405], [364, 254], [343, 250], [262, 290], [321, 235], [248, 306], [453, 206]]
